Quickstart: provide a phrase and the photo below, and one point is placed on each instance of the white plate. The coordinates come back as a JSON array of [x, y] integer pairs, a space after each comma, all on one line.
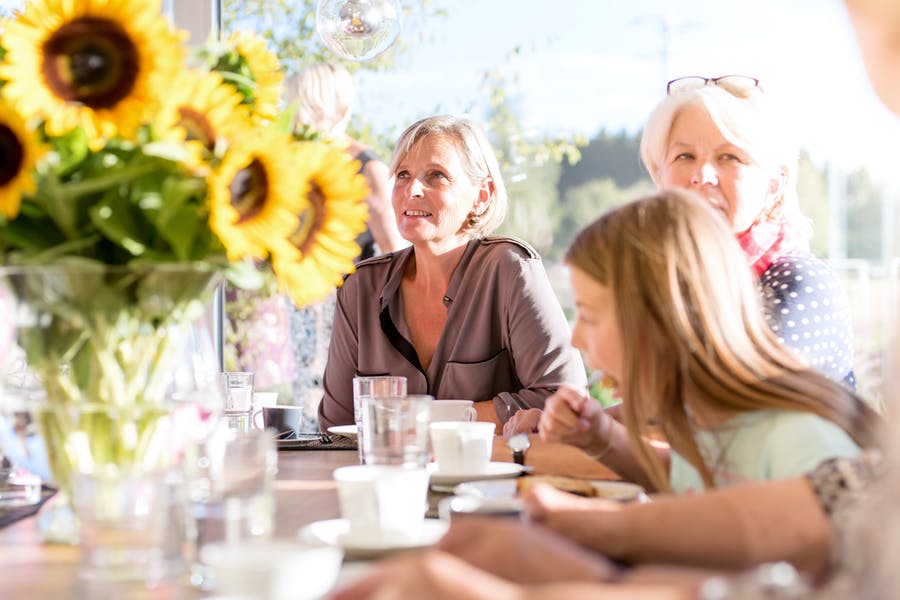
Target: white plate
[[500, 489], [333, 532], [495, 470], [348, 430]]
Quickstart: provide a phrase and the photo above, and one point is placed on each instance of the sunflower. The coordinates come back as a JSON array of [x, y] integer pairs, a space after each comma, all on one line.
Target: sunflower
[[252, 62], [201, 111], [19, 152], [95, 64], [323, 247], [256, 193]]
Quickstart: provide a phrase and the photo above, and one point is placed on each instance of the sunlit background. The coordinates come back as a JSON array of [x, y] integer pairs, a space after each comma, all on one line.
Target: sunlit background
[[558, 79]]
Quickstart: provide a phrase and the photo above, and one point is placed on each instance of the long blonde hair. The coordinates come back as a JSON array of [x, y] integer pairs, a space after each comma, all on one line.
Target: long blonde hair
[[693, 328]]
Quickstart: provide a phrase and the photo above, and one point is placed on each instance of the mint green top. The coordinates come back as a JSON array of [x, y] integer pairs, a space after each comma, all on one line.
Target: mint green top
[[761, 445]]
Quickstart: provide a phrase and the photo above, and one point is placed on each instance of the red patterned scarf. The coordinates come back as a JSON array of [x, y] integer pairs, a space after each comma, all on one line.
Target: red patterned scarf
[[767, 241]]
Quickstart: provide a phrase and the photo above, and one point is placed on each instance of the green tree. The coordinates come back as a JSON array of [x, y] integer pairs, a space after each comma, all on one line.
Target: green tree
[[864, 201], [606, 156], [586, 202], [530, 162], [290, 28], [812, 187]]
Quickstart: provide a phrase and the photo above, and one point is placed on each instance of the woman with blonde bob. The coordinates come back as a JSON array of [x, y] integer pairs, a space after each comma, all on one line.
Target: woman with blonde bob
[[461, 313], [665, 306]]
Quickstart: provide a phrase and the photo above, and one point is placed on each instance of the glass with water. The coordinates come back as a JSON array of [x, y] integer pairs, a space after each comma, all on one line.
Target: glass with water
[[368, 387], [396, 430], [230, 490]]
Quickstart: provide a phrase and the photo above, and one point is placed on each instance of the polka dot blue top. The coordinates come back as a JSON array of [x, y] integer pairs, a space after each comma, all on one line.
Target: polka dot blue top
[[807, 309]]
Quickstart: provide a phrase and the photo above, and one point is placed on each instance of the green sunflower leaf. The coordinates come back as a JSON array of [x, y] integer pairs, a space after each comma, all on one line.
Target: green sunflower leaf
[[114, 217]]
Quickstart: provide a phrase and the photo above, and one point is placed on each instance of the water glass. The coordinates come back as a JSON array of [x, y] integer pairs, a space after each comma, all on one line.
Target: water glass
[[366, 387], [395, 430], [132, 527], [238, 390], [230, 481]]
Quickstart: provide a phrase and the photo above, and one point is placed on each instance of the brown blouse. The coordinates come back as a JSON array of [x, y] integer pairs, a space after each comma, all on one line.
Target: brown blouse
[[505, 338]]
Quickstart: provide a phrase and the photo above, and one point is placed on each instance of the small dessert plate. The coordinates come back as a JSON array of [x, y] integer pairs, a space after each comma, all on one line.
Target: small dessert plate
[[495, 470], [347, 430], [336, 532], [621, 491]]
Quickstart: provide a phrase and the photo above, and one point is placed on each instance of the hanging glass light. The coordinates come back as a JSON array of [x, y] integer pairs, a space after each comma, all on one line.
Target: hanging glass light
[[358, 30]]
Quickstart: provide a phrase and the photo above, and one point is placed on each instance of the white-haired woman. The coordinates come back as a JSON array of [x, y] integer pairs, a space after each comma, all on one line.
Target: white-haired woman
[[724, 139]]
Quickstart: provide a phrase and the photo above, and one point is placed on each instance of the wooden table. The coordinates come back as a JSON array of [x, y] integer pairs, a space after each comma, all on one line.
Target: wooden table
[[305, 492]]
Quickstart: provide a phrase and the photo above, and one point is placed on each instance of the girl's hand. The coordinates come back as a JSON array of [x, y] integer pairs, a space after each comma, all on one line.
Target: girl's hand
[[434, 575], [572, 417], [582, 520], [522, 553]]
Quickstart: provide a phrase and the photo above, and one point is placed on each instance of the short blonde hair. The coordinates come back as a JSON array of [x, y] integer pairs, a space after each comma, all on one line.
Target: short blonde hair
[[692, 326], [748, 119], [478, 160], [324, 94]]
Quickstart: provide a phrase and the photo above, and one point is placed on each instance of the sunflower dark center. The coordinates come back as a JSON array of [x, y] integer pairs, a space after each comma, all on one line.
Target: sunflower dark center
[[249, 190], [310, 221], [197, 126], [12, 155], [91, 61]]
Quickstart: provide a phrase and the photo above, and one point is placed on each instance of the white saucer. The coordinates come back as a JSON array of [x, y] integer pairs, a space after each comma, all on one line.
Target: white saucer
[[347, 430], [334, 532], [495, 470], [621, 491]]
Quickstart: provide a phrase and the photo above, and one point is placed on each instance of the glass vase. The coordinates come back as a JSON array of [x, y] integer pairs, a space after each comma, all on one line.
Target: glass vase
[[128, 375]]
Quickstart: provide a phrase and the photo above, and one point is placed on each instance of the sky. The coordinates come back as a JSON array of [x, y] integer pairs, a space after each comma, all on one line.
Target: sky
[[592, 64], [587, 65]]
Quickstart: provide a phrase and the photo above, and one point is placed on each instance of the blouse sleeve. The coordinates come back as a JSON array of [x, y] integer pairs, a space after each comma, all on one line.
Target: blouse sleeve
[[808, 310], [539, 339], [336, 407]]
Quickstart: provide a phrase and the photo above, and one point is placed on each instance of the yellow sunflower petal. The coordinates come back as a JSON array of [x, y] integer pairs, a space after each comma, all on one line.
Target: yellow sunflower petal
[[19, 153], [201, 111], [97, 64], [325, 247], [256, 193], [266, 73]]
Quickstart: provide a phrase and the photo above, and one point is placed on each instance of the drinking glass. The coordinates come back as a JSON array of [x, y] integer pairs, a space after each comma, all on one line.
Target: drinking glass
[[396, 430], [22, 453], [367, 387], [238, 391]]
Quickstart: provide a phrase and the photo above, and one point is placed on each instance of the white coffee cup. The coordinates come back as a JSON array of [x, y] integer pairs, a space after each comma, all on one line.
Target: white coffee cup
[[382, 504], [271, 569], [453, 410], [462, 447]]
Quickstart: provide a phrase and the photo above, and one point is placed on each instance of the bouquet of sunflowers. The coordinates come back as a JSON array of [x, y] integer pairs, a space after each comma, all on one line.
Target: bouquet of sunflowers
[[115, 148], [125, 158]]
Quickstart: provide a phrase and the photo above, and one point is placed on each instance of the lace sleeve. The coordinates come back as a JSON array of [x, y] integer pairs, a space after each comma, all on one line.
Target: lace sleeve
[[840, 483]]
